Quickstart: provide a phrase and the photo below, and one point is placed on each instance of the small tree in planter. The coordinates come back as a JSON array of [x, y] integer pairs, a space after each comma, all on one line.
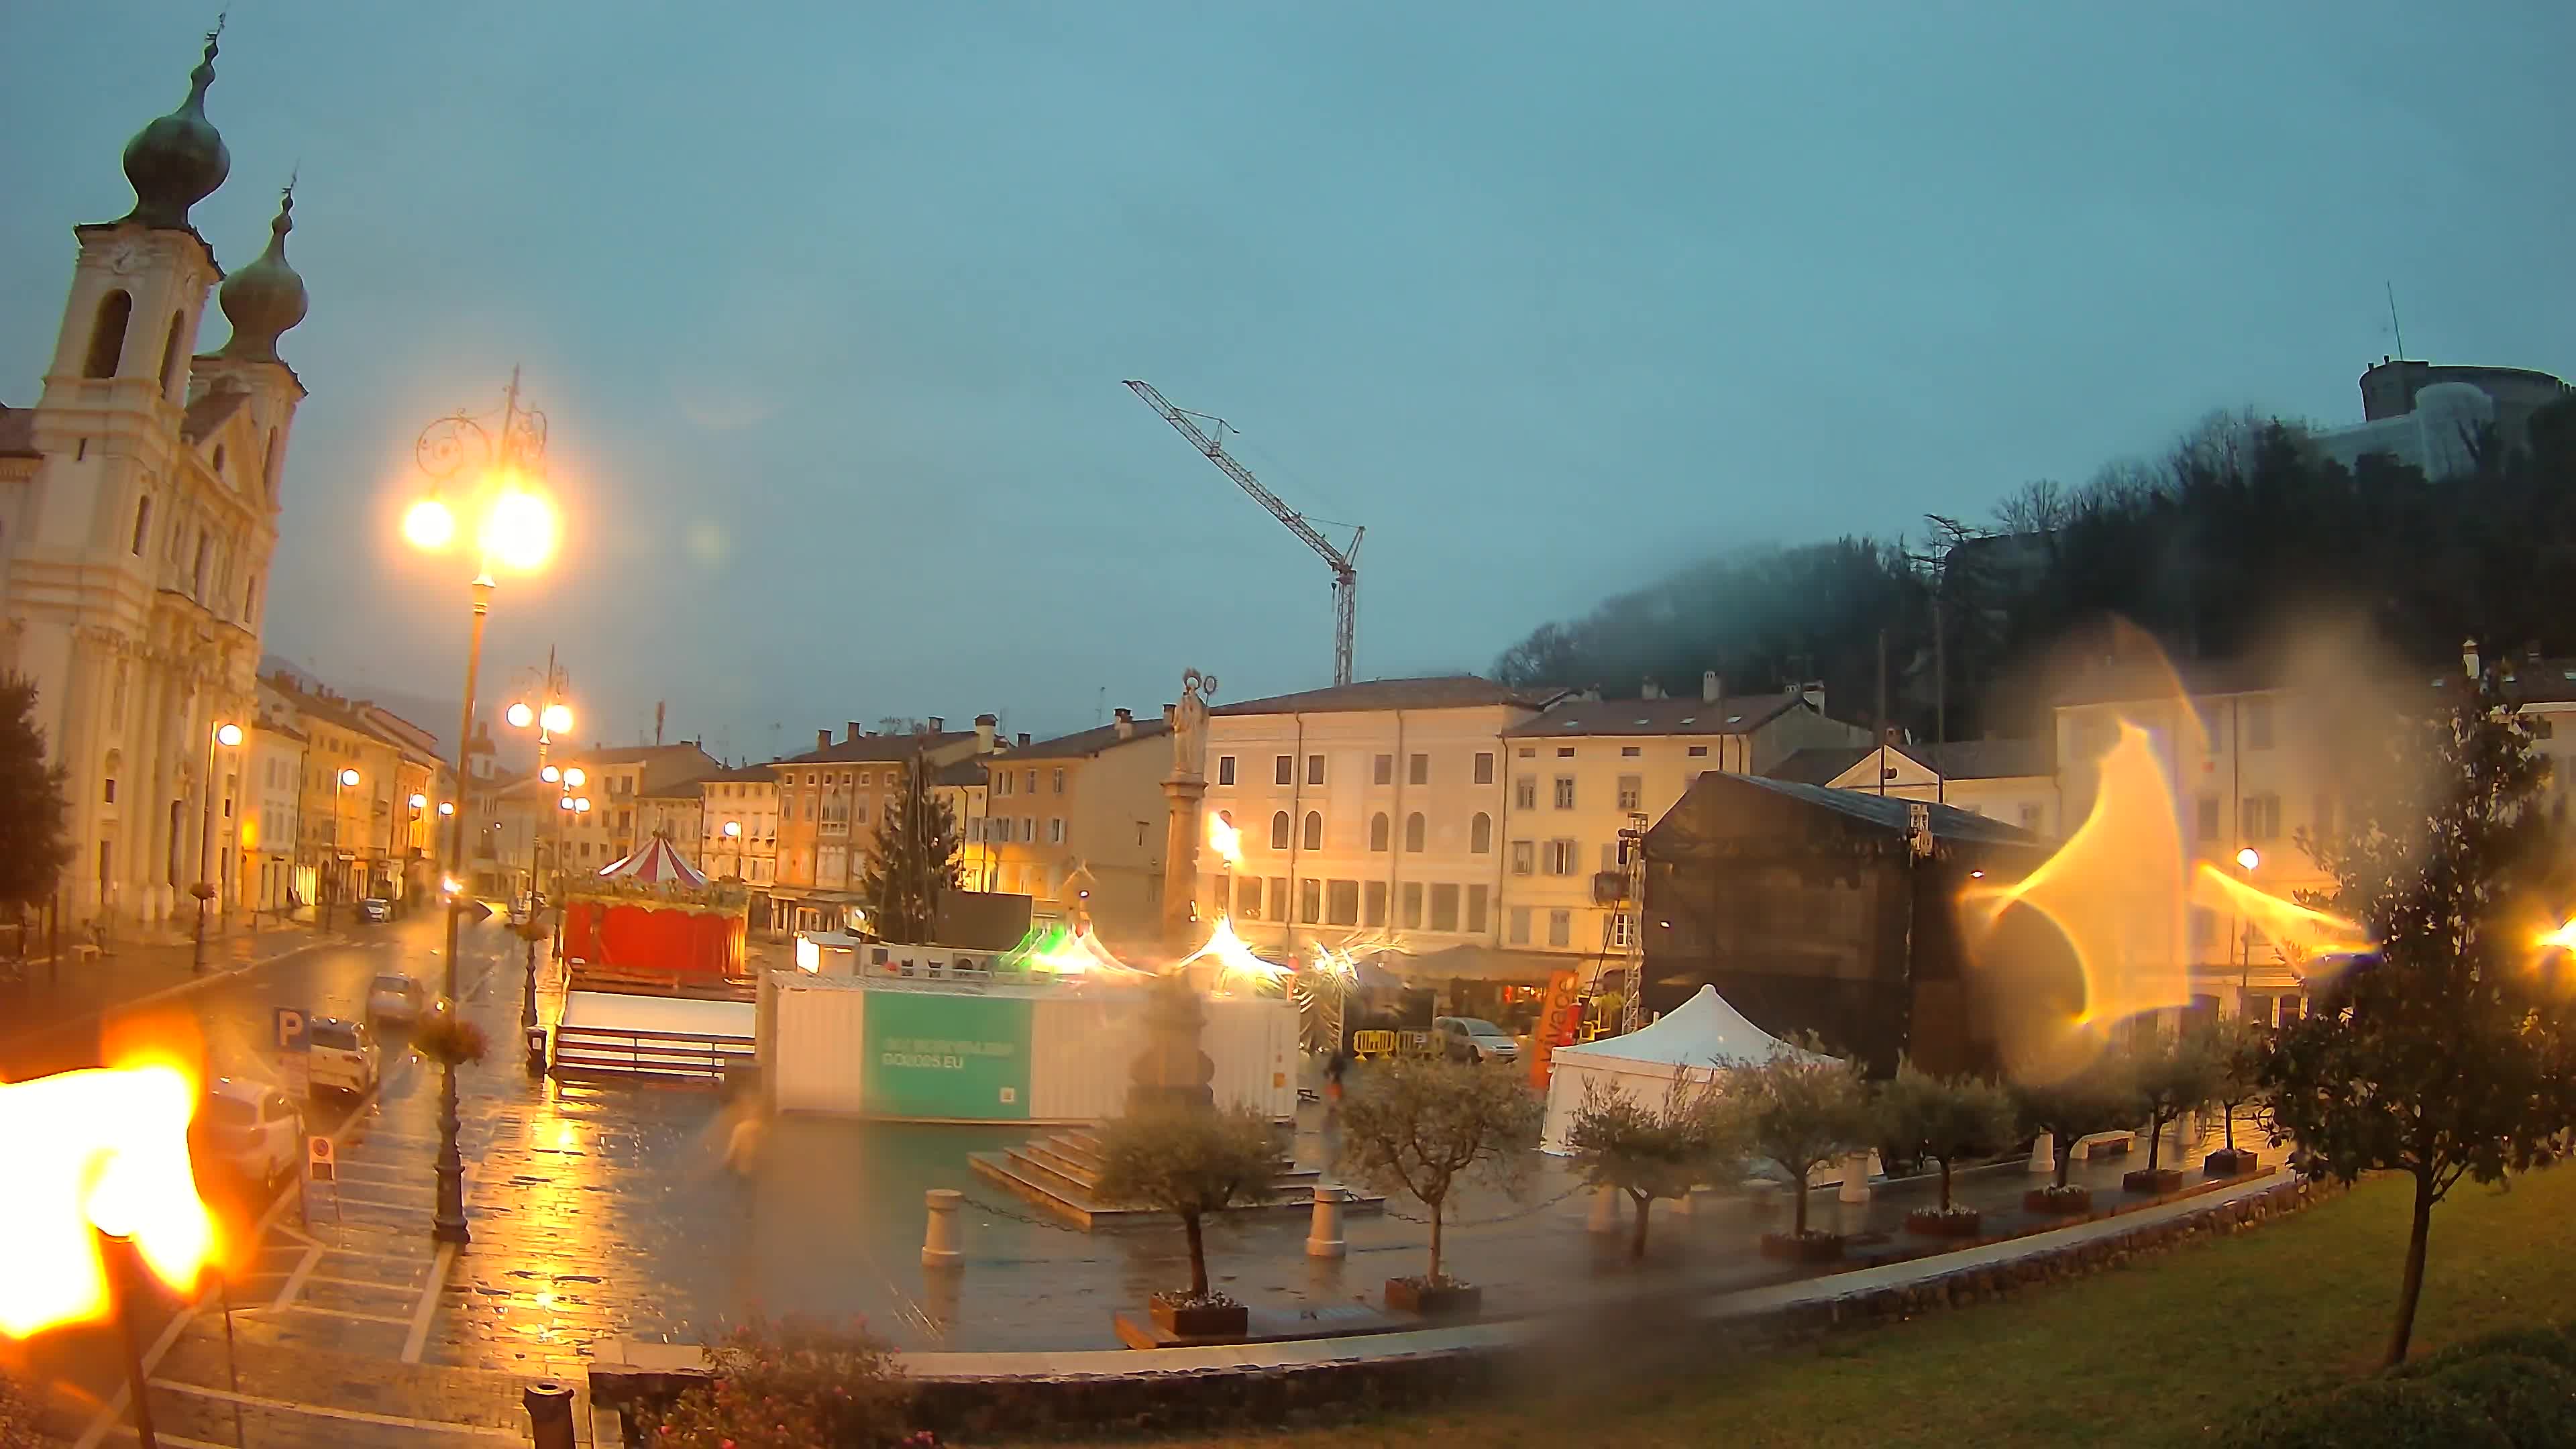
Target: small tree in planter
[[1944, 1119], [2241, 1047], [1649, 1152], [2177, 1075], [2100, 1097], [794, 1385], [1190, 1163], [1801, 1109], [1418, 1126]]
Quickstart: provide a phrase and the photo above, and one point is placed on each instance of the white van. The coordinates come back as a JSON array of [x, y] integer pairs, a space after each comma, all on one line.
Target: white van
[[341, 1055], [250, 1128]]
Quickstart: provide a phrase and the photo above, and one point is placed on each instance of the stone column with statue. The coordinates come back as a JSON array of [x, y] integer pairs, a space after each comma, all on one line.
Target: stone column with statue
[[1172, 1071]]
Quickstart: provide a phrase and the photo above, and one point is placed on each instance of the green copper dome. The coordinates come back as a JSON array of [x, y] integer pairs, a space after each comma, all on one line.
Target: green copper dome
[[178, 160], [266, 298]]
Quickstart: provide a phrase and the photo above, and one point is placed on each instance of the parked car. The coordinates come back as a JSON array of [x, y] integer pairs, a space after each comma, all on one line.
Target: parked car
[[249, 1129], [1473, 1039], [395, 997], [342, 1055], [375, 908]]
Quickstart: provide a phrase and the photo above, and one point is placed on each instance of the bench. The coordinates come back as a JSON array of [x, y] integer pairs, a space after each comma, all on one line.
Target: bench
[[2104, 1144]]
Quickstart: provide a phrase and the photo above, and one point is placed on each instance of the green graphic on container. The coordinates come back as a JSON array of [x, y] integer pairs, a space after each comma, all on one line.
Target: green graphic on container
[[963, 1058]]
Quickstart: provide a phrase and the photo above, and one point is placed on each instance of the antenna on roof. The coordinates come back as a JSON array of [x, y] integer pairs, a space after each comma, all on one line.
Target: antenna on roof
[[2393, 325]]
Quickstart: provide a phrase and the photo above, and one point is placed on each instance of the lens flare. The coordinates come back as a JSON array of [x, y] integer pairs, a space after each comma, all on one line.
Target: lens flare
[[430, 524], [1235, 961], [558, 719], [519, 530], [1225, 840]]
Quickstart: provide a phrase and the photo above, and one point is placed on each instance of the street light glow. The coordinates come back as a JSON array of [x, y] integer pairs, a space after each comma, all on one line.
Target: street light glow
[[228, 735], [581, 803], [2247, 858], [420, 802], [429, 525], [733, 830], [446, 807], [550, 774], [558, 719], [348, 777], [520, 716], [519, 529], [563, 802], [575, 778]]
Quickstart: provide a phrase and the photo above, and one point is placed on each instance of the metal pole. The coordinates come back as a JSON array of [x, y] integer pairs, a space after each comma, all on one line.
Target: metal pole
[[448, 1224], [232, 1362], [205, 854], [116, 1256]]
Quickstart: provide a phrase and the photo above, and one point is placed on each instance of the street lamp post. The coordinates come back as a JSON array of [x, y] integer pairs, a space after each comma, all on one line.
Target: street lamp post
[[2246, 860], [225, 736], [515, 527], [329, 885]]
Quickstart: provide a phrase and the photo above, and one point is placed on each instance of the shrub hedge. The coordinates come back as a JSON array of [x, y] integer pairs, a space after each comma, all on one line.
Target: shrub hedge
[[2512, 1390]]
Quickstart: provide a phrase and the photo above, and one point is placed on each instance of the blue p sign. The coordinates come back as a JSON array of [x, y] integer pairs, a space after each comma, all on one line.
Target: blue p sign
[[290, 1029]]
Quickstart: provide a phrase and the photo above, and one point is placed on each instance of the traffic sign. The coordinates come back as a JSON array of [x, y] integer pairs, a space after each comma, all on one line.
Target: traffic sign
[[475, 910], [290, 1029], [319, 1163]]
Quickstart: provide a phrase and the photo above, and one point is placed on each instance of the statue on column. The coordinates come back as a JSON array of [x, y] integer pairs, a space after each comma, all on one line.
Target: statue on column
[[1189, 726]]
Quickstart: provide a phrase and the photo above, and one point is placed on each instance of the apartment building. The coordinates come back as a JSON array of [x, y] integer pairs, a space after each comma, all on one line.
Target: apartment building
[[738, 823], [1074, 823], [831, 801], [531, 831], [272, 875], [1585, 769]]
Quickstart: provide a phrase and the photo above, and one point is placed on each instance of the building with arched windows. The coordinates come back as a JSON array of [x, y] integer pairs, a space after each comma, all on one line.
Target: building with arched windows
[[139, 500]]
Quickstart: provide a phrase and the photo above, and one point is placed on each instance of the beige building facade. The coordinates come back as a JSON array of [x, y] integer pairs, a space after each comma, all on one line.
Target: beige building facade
[[1074, 823]]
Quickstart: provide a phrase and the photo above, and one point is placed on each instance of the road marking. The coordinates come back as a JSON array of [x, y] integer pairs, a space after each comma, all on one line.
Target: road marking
[[325, 1411], [428, 1305], [336, 1313], [369, 1283], [177, 1441], [377, 1202], [295, 1280]]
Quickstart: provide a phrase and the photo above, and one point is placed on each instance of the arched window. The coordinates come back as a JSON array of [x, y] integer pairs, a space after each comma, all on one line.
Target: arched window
[[1378, 831], [142, 524], [1279, 831], [1314, 830], [1413, 832], [107, 335], [1480, 834], [219, 460], [171, 356]]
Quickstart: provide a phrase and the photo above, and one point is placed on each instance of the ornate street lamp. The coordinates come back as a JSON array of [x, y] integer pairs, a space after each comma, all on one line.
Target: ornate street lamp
[[225, 736], [494, 476]]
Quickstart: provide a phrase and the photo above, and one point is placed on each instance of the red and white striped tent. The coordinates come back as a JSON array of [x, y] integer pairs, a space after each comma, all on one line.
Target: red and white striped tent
[[657, 863]]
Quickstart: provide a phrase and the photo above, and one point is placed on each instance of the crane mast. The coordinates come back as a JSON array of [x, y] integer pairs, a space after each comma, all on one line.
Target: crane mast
[[1344, 561]]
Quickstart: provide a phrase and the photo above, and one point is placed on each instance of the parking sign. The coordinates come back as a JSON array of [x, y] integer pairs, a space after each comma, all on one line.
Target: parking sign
[[290, 1029]]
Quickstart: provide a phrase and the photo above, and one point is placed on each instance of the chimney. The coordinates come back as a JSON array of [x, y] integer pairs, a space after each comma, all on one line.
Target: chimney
[[822, 739], [938, 724], [1126, 724], [985, 724], [1711, 689], [2469, 657], [852, 726], [1813, 692], [1650, 689], [1023, 740]]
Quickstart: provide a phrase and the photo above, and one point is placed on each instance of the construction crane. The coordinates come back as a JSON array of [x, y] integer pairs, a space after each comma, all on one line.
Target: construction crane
[[1344, 561]]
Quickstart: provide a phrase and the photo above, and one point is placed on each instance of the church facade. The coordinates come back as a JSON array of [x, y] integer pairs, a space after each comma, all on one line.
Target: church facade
[[139, 500]]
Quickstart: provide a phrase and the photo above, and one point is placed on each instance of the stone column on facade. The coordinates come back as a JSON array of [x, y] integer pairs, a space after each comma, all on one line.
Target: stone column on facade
[[1181, 929]]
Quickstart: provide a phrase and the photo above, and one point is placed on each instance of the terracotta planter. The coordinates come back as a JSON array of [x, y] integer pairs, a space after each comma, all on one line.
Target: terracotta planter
[[2224, 1163], [1815, 1247], [2055, 1203], [1199, 1320], [1434, 1300], [2155, 1183], [1934, 1223]]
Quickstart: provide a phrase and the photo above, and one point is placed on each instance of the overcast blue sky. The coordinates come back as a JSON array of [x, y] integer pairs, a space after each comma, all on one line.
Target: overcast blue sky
[[830, 305]]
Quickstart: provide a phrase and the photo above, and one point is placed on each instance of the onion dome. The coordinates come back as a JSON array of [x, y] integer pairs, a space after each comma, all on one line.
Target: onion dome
[[264, 299], [178, 160]]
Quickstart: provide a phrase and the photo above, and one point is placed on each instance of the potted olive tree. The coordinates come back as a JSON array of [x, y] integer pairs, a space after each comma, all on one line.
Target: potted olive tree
[[1189, 1162], [1649, 1150], [2241, 1047], [1802, 1109], [2100, 1096], [1421, 1125], [2177, 1076], [1944, 1119]]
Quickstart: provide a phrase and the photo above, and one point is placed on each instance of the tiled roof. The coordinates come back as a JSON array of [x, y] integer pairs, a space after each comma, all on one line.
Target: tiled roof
[[1443, 691], [1083, 744], [1818, 764], [1888, 812], [875, 749], [208, 411], [968, 771], [749, 774], [1988, 759], [1734, 715]]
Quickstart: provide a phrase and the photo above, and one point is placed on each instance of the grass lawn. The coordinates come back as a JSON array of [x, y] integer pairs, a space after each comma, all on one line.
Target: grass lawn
[[2169, 1351]]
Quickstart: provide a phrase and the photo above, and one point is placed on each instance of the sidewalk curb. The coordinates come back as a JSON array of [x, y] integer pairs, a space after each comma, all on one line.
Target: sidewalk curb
[[194, 983]]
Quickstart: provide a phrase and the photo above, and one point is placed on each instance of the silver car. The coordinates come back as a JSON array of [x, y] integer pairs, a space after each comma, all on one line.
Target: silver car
[[1473, 1039], [394, 997]]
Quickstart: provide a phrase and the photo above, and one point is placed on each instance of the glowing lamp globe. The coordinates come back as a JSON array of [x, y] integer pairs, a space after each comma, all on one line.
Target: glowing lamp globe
[[520, 716], [2247, 858], [575, 777], [348, 777], [228, 735], [519, 531], [558, 718], [429, 525]]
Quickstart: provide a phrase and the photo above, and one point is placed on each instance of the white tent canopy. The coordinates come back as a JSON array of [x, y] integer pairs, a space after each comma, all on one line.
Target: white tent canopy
[[1687, 1043]]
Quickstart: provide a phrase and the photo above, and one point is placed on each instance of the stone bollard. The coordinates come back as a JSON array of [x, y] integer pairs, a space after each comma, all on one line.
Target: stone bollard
[[1855, 1183], [2043, 1154], [940, 1244], [1605, 1212], [549, 1405], [1324, 1235]]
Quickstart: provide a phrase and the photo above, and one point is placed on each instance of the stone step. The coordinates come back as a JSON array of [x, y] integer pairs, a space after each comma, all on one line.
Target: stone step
[[1037, 1168], [1049, 1152]]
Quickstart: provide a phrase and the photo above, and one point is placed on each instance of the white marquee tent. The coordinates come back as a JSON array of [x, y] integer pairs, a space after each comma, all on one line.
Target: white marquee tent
[[1689, 1041]]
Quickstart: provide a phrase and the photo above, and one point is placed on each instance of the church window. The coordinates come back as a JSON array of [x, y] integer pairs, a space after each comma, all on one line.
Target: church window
[[142, 524], [171, 357], [250, 602], [107, 335]]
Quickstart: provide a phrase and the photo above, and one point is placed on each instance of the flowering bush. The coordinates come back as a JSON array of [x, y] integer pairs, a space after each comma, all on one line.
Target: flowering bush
[[450, 1039], [795, 1384]]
